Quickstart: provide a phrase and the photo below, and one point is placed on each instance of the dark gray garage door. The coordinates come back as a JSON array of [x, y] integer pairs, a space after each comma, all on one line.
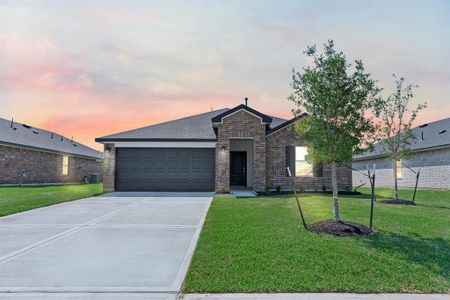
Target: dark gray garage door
[[165, 169]]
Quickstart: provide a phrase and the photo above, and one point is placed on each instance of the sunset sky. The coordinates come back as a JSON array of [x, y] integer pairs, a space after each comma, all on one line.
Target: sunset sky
[[91, 68]]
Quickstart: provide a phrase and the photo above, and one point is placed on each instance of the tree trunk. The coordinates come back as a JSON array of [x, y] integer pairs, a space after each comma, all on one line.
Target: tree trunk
[[334, 182], [394, 168]]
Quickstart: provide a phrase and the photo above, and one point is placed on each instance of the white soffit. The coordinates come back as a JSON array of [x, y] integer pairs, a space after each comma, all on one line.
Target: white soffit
[[165, 144]]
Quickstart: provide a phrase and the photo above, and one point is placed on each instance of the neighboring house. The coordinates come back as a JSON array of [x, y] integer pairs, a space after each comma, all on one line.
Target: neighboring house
[[431, 155], [35, 156], [212, 151]]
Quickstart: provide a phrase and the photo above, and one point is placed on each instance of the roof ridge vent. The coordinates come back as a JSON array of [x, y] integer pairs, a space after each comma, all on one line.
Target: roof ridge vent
[[423, 125], [26, 126]]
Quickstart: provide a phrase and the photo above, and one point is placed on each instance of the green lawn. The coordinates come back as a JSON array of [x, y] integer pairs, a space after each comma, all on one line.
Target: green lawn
[[259, 245], [17, 199]]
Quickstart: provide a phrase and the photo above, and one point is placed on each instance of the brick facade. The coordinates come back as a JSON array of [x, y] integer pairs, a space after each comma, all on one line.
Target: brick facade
[[268, 157], [237, 126], [43, 167], [276, 165], [434, 168]]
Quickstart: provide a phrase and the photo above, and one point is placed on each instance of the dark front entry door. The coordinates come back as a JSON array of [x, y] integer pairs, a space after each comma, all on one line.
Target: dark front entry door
[[238, 166]]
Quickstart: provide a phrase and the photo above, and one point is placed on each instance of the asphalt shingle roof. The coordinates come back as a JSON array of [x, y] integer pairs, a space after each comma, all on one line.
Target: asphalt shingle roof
[[198, 127], [36, 138], [435, 134]]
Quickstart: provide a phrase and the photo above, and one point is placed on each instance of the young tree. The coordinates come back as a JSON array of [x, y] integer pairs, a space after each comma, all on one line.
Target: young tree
[[397, 121], [340, 101]]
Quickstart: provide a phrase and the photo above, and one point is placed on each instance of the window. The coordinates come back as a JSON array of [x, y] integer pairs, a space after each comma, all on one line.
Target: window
[[398, 166], [65, 165], [302, 167]]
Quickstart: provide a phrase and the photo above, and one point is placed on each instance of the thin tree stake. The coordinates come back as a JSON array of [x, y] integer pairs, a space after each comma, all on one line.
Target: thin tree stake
[[296, 198]]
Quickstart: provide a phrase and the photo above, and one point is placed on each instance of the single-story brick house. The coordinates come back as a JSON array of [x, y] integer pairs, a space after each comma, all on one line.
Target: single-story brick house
[[212, 151], [431, 155], [32, 155]]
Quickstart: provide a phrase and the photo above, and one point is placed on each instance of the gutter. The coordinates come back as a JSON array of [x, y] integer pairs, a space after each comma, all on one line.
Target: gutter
[[106, 140]]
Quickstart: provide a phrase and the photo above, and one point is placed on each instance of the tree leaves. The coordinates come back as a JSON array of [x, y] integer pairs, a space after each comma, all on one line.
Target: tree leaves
[[339, 100]]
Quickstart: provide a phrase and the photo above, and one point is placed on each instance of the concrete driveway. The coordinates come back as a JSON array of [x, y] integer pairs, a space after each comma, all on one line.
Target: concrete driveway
[[118, 246]]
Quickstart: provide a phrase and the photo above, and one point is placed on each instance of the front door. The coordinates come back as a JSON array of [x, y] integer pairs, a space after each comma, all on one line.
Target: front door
[[238, 166]]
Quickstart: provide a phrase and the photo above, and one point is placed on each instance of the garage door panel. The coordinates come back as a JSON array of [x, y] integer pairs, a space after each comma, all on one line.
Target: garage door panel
[[165, 169], [183, 164], [172, 164], [160, 164]]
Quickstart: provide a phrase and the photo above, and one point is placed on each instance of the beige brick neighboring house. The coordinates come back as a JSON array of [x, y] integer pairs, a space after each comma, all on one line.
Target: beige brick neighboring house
[[213, 151], [35, 156], [431, 155]]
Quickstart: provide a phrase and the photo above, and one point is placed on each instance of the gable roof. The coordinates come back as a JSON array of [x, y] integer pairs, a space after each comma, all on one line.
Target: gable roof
[[284, 123], [22, 135], [193, 128], [264, 118], [435, 135]]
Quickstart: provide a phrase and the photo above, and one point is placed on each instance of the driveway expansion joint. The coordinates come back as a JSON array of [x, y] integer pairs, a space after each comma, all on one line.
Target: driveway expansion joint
[[41, 243]]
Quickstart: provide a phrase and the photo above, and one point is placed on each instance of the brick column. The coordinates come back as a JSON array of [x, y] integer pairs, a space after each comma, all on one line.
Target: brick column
[[109, 168], [223, 165]]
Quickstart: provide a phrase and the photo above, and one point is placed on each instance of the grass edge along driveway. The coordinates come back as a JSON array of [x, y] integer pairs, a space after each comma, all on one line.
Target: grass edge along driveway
[[18, 199], [258, 245]]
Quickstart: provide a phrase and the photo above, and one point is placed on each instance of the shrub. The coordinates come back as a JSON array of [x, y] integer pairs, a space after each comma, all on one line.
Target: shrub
[[266, 189], [324, 188], [278, 188], [301, 189]]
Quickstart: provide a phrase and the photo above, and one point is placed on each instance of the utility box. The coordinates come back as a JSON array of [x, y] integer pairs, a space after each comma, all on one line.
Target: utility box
[[94, 178]]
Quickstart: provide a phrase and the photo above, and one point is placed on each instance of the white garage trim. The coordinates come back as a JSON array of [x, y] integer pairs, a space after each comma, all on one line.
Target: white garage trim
[[165, 145]]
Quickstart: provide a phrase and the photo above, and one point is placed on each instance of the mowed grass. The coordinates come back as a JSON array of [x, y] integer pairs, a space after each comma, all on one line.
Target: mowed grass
[[18, 199], [259, 245]]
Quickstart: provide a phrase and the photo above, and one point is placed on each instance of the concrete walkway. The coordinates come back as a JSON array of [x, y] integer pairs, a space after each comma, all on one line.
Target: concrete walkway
[[109, 247], [310, 296]]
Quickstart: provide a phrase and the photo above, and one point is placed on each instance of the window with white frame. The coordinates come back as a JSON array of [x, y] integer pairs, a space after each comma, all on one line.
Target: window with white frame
[[65, 165], [302, 167], [398, 167]]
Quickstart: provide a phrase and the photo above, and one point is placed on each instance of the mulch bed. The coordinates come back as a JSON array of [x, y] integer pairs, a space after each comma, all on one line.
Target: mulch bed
[[342, 228], [397, 202]]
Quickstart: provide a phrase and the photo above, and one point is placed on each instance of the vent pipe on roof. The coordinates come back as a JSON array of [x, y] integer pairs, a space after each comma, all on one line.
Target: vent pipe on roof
[[71, 140], [62, 138], [12, 123], [51, 136], [246, 101], [422, 135]]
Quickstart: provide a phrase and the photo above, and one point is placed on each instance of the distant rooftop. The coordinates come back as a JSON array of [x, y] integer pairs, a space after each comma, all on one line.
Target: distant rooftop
[[428, 136], [19, 134]]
